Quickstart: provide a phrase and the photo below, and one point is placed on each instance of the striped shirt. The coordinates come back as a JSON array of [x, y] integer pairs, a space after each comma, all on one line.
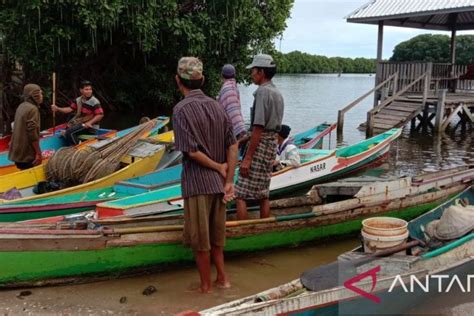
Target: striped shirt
[[89, 106], [229, 98], [200, 124]]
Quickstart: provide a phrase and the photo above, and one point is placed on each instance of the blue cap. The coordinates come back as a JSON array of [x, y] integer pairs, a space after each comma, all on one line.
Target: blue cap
[[228, 71]]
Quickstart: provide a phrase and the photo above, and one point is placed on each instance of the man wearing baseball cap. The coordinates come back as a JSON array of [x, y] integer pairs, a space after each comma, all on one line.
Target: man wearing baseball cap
[[266, 117], [203, 132]]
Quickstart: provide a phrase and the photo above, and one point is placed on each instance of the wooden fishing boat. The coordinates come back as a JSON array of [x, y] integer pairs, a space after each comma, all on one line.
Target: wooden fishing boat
[[143, 158], [318, 166], [5, 140], [313, 138], [24, 180], [70, 251], [401, 280], [20, 210], [77, 202], [49, 145]]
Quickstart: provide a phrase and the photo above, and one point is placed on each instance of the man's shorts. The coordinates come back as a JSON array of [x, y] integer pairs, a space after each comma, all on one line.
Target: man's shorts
[[204, 222]]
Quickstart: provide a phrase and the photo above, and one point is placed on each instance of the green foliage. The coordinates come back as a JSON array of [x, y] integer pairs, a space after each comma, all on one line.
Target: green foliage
[[130, 48], [435, 48], [298, 62]]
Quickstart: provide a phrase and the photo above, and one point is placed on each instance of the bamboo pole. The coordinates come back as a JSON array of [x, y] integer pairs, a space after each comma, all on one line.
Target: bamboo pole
[[54, 101]]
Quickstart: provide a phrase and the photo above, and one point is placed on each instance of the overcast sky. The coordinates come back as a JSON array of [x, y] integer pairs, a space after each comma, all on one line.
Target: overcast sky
[[318, 27]]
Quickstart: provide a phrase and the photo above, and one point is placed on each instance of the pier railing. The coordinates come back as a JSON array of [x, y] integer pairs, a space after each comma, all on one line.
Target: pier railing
[[388, 83], [440, 75], [422, 80]]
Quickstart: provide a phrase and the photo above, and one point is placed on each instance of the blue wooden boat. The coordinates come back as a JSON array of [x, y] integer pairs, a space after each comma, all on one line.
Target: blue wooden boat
[[48, 146], [313, 138], [401, 281]]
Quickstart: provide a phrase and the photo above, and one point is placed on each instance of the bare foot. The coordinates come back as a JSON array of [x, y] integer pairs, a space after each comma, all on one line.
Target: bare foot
[[193, 288], [222, 284]]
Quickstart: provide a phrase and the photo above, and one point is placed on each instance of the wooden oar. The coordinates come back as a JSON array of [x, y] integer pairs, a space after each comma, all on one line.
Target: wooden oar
[[54, 101]]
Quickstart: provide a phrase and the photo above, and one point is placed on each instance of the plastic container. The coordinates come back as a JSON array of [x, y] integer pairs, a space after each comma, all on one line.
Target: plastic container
[[374, 243], [384, 226]]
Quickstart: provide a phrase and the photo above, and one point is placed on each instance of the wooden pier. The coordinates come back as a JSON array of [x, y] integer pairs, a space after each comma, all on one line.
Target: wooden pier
[[417, 93], [425, 95]]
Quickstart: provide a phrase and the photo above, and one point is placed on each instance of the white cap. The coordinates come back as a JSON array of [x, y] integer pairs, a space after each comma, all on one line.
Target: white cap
[[263, 61]]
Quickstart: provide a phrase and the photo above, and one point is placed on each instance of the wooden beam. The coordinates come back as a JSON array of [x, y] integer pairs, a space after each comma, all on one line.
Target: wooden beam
[[453, 17], [453, 50], [429, 20], [440, 110], [450, 117], [378, 75], [468, 113], [380, 41], [403, 21]]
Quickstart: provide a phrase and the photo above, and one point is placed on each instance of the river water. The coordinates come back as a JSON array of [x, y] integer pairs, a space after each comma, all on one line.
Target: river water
[[309, 100]]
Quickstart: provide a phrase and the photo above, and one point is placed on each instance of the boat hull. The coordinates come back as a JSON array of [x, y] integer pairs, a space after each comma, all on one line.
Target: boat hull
[[36, 259]]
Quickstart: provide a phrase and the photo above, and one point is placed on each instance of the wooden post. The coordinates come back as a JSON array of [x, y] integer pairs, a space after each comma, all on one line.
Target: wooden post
[[340, 123], [453, 50], [453, 82], [395, 84], [369, 132], [440, 110], [384, 94], [378, 75]]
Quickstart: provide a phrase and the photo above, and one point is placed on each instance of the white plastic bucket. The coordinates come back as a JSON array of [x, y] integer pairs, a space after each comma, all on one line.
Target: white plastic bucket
[[373, 243], [384, 226]]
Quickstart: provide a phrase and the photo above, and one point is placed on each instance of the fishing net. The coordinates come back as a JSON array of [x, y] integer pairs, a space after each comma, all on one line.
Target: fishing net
[[73, 165]]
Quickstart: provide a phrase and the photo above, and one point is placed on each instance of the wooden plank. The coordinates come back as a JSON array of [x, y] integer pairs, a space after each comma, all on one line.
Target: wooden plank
[[392, 113], [388, 121], [384, 116], [407, 104], [382, 126], [404, 106], [402, 109], [391, 124]]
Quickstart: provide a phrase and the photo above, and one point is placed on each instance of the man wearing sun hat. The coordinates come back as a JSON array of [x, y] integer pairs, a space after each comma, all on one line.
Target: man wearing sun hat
[[266, 117], [203, 132]]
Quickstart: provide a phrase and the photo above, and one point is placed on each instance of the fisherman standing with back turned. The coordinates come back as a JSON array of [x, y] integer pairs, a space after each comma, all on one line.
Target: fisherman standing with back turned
[[203, 132]]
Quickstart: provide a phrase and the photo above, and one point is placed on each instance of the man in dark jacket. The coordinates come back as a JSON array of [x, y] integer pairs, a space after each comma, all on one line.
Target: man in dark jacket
[[24, 146]]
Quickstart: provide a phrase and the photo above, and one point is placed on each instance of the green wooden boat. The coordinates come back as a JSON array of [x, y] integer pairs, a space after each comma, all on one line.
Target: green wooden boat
[[401, 281], [41, 253]]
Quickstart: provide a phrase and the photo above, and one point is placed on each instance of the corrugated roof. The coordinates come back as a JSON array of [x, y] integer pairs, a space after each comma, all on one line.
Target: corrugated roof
[[428, 14]]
